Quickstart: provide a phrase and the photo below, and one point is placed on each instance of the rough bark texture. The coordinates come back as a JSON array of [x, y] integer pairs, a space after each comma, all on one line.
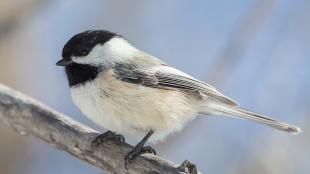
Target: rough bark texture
[[29, 117]]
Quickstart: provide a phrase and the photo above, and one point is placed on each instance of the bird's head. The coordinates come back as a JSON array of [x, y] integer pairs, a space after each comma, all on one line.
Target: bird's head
[[88, 53]]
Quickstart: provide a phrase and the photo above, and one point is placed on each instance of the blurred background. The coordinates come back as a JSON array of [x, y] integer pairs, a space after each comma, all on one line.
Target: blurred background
[[256, 51]]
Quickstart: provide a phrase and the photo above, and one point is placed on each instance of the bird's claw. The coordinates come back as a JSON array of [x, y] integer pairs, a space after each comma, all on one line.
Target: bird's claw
[[107, 136], [148, 149], [188, 167], [132, 155]]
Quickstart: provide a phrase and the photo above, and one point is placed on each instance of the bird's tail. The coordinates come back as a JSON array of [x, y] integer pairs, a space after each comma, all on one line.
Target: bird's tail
[[245, 114]]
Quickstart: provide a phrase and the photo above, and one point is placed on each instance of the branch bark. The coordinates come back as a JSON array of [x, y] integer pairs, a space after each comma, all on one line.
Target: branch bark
[[29, 117]]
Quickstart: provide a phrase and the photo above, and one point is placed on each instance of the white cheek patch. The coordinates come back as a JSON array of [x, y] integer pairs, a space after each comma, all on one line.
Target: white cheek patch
[[95, 57], [115, 50]]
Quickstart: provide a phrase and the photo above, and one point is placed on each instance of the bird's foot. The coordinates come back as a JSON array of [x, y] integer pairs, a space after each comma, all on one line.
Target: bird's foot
[[188, 167], [136, 152], [107, 136]]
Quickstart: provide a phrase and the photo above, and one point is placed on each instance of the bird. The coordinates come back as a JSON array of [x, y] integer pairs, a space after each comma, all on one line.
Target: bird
[[130, 92]]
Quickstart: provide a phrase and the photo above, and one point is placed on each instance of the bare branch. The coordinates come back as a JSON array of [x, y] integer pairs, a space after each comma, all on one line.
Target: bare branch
[[29, 117]]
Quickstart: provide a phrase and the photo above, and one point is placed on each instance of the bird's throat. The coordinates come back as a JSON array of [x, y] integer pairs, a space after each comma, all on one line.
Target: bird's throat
[[79, 74]]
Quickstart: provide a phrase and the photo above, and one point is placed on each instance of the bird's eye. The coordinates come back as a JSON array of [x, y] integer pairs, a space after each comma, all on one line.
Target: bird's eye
[[84, 51]]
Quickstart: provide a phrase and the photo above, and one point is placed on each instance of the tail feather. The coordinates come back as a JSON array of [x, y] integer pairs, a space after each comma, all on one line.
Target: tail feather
[[242, 113]]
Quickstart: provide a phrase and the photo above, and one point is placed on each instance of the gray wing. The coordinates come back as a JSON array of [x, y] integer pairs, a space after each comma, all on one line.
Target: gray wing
[[169, 78]]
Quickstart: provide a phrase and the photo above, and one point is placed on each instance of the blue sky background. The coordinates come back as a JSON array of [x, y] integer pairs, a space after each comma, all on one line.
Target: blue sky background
[[255, 51]]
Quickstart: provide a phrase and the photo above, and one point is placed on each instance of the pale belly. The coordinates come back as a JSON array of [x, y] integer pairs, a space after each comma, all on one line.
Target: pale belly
[[127, 108]]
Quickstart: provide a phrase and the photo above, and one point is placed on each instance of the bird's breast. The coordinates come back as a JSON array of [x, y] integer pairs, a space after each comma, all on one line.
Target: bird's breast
[[130, 108]]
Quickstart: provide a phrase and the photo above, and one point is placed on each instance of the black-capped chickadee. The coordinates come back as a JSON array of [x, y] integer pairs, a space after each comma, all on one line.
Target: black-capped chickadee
[[128, 91]]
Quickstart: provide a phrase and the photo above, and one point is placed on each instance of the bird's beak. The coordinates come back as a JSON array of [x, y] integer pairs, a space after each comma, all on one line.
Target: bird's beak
[[64, 62]]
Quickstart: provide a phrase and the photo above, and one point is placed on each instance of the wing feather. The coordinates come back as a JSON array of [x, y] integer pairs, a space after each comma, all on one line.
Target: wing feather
[[170, 78]]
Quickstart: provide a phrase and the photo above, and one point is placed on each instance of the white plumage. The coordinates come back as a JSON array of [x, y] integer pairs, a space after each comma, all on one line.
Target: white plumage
[[127, 109]]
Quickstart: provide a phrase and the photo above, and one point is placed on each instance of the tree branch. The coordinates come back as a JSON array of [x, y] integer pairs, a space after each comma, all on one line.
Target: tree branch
[[29, 117]]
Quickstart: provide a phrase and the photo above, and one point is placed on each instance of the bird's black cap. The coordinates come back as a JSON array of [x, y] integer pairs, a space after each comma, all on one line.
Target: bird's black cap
[[82, 43]]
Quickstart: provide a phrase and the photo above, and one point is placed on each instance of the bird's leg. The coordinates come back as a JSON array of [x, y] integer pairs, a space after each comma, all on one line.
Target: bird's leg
[[139, 149], [107, 136], [188, 167]]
